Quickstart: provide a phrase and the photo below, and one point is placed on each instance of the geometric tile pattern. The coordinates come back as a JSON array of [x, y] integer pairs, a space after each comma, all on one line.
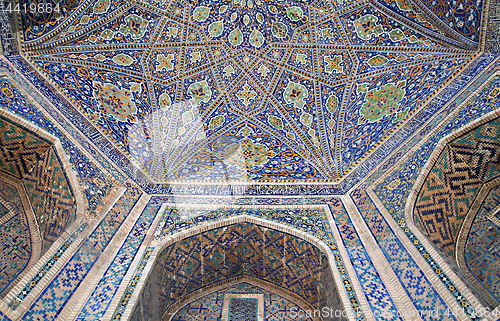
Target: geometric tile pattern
[[210, 306], [482, 248], [57, 293], [239, 249], [176, 86], [46, 267], [316, 225], [100, 299], [463, 167], [394, 190], [241, 309], [98, 186], [380, 301], [3, 210], [422, 293], [462, 20], [102, 146], [15, 238], [20, 149], [34, 160]]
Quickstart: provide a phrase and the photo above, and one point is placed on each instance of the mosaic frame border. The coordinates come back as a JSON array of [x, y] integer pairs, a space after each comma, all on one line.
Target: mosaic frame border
[[420, 181], [438, 279]]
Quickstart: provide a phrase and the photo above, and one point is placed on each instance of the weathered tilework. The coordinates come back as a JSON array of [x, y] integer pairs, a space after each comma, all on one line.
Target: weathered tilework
[[34, 160], [101, 297], [463, 167], [420, 290], [15, 239], [46, 267], [242, 309], [52, 300], [394, 190], [51, 197], [482, 248], [3, 210], [316, 224], [21, 149], [443, 277], [210, 306], [97, 186], [239, 249], [380, 301], [202, 113]]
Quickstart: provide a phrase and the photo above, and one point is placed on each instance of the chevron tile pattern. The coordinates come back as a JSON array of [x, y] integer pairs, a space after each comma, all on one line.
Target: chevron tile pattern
[[239, 249], [453, 183]]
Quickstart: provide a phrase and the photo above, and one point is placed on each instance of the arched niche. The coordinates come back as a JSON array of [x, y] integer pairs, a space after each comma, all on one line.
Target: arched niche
[[447, 197], [195, 260], [41, 192]]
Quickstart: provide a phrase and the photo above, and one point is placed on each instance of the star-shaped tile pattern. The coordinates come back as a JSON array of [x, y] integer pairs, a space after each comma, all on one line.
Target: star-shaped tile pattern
[[232, 90]]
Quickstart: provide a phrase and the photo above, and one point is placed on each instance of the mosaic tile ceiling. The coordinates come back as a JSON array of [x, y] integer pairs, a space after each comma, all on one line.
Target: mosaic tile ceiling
[[240, 249], [255, 90]]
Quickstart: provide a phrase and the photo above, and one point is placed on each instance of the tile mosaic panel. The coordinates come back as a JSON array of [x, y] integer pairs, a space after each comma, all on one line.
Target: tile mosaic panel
[[381, 303], [124, 164], [239, 249], [57, 293], [422, 293], [46, 268], [3, 210], [452, 185], [20, 149], [210, 306], [34, 160], [464, 18], [482, 248], [316, 225], [51, 197], [97, 185], [15, 238], [100, 299], [198, 116], [394, 190], [33, 84], [241, 309]]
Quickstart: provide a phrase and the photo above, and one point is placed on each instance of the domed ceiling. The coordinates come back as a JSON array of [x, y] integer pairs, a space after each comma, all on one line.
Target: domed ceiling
[[249, 90]]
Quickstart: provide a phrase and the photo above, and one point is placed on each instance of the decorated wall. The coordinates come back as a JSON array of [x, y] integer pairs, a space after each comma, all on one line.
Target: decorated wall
[[244, 123], [464, 166], [34, 161], [237, 250], [15, 236]]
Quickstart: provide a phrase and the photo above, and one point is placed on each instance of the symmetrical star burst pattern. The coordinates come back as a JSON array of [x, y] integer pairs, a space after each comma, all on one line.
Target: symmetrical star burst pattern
[[282, 90]]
